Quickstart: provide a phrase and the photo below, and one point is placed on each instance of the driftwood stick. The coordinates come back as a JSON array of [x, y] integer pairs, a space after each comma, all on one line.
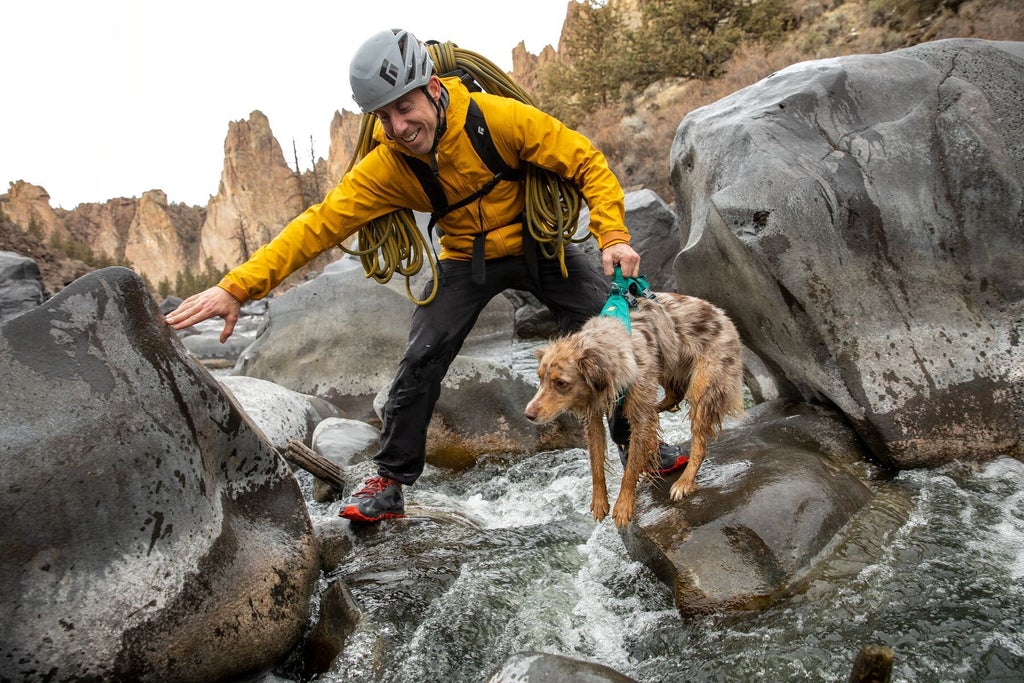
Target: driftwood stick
[[873, 665], [314, 463]]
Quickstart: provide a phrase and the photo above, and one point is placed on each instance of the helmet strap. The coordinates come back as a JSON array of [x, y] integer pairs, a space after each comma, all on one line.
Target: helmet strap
[[440, 106]]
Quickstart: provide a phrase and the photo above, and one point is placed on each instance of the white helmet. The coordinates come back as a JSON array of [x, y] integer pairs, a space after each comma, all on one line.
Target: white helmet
[[385, 67]]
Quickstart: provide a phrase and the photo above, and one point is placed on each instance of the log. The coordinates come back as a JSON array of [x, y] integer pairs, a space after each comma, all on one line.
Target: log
[[314, 463], [873, 665]]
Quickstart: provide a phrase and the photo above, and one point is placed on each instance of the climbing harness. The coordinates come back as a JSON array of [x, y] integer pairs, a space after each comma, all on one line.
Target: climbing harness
[[624, 295], [394, 244]]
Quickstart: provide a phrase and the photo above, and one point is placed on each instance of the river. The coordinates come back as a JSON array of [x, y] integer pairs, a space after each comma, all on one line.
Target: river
[[934, 571]]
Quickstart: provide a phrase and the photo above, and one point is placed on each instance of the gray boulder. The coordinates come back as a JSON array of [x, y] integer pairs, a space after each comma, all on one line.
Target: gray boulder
[[149, 532], [480, 411], [280, 413], [342, 335], [654, 235], [21, 285], [541, 667], [862, 220], [772, 494]]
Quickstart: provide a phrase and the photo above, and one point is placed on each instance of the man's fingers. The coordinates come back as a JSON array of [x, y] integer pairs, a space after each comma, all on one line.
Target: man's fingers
[[229, 327]]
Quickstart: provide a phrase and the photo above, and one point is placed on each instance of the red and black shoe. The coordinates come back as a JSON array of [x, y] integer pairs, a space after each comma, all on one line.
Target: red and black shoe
[[380, 498], [671, 458]]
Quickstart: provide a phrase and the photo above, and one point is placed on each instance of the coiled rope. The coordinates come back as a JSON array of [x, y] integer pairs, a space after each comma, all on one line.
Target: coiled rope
[[393, 244]]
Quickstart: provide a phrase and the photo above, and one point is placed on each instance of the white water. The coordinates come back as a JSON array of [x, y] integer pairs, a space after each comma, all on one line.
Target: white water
[[934, 573]]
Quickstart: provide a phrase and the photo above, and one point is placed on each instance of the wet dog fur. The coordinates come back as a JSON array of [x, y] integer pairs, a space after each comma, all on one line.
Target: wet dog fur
[[685, 345]]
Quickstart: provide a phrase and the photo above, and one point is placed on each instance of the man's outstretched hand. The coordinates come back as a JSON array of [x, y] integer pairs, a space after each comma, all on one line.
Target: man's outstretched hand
[[210, 303]]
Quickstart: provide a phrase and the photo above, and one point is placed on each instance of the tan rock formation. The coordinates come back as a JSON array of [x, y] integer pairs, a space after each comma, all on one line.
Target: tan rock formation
[[28, 206], [104, 227], [153, 245], [344, 139], [258, 195]]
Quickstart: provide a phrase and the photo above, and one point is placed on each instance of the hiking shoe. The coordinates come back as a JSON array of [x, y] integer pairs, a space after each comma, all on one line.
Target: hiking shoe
[[671, 458], [380, 498]]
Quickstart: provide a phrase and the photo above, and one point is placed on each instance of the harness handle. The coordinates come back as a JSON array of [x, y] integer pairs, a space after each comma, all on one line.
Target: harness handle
[[623, 295]]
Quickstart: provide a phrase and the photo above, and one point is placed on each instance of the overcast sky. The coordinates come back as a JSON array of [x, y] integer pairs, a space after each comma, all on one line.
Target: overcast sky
[[110, 98]]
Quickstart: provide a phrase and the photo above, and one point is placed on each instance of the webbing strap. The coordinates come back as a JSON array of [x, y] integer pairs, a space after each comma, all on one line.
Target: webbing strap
[[622, 296]]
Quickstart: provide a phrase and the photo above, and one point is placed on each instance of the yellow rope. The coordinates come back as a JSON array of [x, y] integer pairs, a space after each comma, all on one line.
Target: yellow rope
[[394, 243]]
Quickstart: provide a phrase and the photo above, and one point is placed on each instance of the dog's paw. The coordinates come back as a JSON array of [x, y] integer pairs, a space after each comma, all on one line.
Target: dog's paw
[[623, 513], [599, 508], [681, 489]]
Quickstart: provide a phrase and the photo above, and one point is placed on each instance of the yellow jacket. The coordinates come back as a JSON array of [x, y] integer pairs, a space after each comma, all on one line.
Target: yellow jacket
[[382, 182]]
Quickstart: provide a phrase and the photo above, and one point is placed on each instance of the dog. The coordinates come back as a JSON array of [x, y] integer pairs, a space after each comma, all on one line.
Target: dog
[[685, 345]]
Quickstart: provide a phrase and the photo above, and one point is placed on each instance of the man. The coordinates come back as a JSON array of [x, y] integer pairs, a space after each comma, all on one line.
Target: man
[[482, 245]]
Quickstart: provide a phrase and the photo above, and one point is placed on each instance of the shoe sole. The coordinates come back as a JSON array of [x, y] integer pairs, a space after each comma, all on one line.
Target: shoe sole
[[679, 464], [352, 513]]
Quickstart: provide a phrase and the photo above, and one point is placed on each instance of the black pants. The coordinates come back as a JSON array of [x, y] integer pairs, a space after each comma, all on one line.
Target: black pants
[[439, 329]]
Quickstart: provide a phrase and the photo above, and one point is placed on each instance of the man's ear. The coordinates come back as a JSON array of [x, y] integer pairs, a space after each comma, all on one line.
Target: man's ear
[[434, 87]]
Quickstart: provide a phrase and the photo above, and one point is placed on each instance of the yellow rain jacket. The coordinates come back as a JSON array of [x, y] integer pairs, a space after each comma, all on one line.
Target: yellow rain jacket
[[382, 182]]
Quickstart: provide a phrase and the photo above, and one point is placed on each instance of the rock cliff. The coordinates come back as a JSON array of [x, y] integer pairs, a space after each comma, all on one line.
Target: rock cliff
[[258, 194]]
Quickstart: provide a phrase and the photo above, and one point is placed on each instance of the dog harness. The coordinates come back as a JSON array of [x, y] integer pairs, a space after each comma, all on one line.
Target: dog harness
[[624, 295]]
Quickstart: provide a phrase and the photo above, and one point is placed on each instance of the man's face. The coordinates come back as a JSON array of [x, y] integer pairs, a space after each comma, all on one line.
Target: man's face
[[412, 118]]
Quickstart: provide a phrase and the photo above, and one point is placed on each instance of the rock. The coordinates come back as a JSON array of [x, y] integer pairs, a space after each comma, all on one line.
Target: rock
[[150, 532], [258, 195], [342, 335], [345, 443], [280, 413], [653, 235], [203, 340], [339, 615], [771, 495], [860, 219], [542, 667], [154, 244], [21, 285], [480, 411]]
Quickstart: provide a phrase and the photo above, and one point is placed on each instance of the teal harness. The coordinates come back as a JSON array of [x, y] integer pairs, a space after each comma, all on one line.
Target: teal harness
[[624, 295]]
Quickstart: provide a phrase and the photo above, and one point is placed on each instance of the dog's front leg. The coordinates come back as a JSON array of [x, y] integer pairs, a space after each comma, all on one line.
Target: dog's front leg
[[643, 449], [597, 446]]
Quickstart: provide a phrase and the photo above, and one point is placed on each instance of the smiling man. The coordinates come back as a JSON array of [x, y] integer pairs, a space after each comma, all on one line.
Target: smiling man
[[421, 124]]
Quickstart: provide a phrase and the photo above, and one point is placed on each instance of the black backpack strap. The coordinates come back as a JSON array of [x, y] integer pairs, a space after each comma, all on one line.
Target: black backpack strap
[[431, 185], [480, 135]]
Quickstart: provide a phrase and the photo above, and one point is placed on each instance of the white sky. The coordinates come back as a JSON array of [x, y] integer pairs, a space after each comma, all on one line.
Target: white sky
[[110, 98]]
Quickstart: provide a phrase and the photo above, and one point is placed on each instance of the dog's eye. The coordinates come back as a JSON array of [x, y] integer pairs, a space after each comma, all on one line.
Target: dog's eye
[[561, 384]]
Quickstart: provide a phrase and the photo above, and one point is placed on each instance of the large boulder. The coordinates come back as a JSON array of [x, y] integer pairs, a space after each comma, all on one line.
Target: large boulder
[[772, 494], [342, 335], [862, 220], [150, 533], [541, 667], [653, 234], [21, 285], [480, 411]]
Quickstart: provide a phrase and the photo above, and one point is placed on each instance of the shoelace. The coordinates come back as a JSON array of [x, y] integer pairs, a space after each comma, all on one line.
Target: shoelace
[[373, 486]]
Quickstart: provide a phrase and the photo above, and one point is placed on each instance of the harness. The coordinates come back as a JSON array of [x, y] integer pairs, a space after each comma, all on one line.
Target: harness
[[483, 144], [624, 295]]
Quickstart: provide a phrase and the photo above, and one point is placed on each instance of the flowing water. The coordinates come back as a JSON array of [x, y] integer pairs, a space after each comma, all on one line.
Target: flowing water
[[932, 568], [935, 574]]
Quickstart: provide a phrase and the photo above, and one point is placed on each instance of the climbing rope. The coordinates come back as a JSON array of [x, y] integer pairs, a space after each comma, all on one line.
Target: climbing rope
[[393, 244]]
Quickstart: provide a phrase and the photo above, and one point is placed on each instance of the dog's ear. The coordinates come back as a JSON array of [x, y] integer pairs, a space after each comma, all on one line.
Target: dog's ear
[[539, 352], [595, 370]]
